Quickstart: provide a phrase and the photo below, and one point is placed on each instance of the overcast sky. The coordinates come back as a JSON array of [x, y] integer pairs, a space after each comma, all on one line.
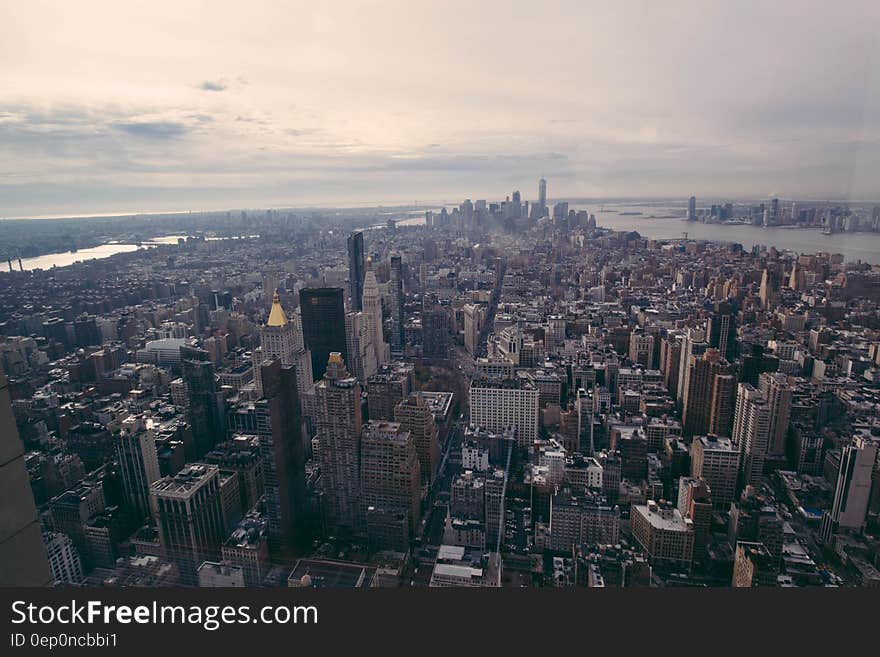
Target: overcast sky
[[147, 106]]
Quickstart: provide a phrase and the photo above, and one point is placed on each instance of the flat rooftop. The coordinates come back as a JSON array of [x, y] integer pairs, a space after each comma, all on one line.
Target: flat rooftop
[[330, 574]]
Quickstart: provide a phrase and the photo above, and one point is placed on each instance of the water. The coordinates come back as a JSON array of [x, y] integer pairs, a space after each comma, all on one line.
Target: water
[[50, 260], [67, 258], [853, 246]]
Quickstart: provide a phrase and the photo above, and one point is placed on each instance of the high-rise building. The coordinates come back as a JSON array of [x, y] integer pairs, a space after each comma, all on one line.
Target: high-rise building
[[698, 403], [776, 389], [579, 520], [753, 565], [670, 361], [857, 462], [356, 269], [474, 317], [248, 548], [390, 474], [282, 454], [695, 504], [21, 540], [361, 355], [281, 339], [64, 560], [722, 330], [202, 408], [390, 385], [339, 424], [769, 290], [496, 481], [716, 461], [693, 344], [395, 295], [754, 517], [498, 405], [189, 516], [664, 535], [555, 335], [373, 315], [641, 348], [323, 325], [138, 463], [415, 416], [751, 432], [542, 197], [723, 403], [435, 333], [692, 209]]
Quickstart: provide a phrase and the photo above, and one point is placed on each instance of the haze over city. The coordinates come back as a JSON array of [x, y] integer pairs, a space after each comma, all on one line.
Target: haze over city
[[133, 107]]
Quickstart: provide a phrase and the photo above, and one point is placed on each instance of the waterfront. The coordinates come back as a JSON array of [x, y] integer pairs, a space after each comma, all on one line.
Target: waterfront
[[660, 222], [49, 260], [853, 246], [653, 222]]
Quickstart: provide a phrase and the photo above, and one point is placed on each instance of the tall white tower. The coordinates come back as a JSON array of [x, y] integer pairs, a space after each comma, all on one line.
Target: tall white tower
[[373, 315]]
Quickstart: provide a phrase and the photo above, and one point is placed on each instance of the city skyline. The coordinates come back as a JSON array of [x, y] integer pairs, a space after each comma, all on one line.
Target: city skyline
[[127, 111]]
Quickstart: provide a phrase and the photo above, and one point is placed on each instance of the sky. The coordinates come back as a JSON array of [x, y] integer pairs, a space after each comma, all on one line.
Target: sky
[[156, 106]]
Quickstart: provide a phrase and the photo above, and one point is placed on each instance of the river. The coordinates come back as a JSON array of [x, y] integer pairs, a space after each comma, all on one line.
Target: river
[[50, 260], [853, 246]]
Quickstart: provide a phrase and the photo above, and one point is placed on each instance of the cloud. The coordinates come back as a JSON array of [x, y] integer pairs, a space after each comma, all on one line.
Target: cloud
[[650, 100], [213, 85], [153, 129]]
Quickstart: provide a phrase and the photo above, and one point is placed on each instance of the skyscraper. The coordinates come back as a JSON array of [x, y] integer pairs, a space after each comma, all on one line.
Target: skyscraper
[[716, 460], [641, 348], [854, 483], [395, 291], [282, 454], [777, 391], [338, 410], [361, 355], [415, 416], [698, 398], [693, 344], [373, 315], [389, 473], [542, 197], [723, 403], [202, 412], [21, 540], [323, 325], [356, 269], [722, 330], [751, 433], [189, 516], [138, 464], [390, 385], [281, 339], [692, 209], [435, 332]]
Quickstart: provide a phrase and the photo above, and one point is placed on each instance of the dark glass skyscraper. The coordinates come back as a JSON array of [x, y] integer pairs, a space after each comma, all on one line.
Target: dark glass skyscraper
[[323, 325], [281, 450], [22, 552], [396, 289], [356, 268], [202, 412]]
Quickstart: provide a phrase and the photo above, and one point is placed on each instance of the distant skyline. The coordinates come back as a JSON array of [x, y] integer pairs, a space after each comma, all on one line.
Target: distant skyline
[[152, 107]]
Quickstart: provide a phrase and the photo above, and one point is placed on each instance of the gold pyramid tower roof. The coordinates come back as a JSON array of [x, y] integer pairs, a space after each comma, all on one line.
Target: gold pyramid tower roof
[[277, 316]]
